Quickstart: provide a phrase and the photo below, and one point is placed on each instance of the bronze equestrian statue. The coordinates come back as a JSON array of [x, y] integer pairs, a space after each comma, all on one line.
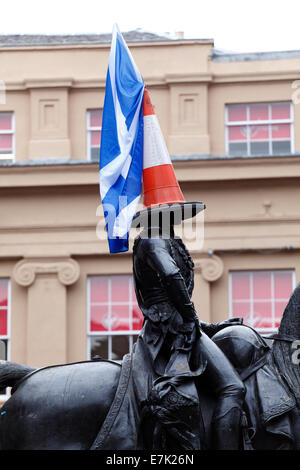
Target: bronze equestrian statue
[[188, 385], [174, 349]]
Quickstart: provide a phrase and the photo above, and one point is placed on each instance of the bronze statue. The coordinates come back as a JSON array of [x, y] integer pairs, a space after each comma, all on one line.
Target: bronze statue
[[178, 349], [182, 388]]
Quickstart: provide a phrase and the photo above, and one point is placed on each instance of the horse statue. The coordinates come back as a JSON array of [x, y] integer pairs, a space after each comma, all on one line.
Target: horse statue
[[79, 406]]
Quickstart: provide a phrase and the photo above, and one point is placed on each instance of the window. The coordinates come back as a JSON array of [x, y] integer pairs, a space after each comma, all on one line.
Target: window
[[114, 318], [94, 123], [4, 321], [259, 129], [260, 297], [6, 136]]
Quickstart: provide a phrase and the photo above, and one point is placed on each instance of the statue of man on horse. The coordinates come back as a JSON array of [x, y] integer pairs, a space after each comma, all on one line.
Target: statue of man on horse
[[174, 347], [187, 385]]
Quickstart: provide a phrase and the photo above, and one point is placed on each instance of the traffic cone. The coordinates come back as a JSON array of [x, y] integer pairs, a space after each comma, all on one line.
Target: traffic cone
[[162, 193], [160, 184]]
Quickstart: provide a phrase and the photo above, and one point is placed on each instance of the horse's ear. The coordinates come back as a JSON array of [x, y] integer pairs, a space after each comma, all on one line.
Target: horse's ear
[[284, 347]]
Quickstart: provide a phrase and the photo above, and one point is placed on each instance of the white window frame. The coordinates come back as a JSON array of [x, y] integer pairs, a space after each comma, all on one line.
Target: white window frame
[[251, 300], [7, 337], [89, 130], [90, 334], [9, 156], [269, 122]]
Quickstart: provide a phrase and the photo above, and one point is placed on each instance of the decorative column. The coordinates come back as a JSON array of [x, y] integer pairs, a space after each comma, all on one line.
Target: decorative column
[[47, 281], [207, 270]]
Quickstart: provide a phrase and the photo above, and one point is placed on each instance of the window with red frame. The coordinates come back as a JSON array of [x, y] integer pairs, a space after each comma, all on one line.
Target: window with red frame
[[114, 318], [260, 297], [94, 127], [6, 134], [4, 315], [259, 129]]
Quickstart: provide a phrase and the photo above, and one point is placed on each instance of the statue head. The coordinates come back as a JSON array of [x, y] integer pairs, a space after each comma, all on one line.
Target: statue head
[[163, 217]]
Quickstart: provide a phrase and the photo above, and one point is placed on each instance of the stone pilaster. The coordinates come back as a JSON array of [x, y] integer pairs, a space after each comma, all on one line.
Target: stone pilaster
[[49, 127], [47, 282], [207, 270]]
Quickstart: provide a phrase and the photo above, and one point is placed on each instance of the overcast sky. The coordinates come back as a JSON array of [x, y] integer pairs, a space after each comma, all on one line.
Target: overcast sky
[[236, 25]]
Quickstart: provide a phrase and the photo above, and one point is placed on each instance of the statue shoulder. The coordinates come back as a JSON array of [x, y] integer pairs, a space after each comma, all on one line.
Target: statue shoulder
[[151, 245]]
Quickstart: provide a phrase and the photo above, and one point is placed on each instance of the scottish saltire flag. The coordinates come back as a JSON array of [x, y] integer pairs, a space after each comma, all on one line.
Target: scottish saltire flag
[[121, 151]]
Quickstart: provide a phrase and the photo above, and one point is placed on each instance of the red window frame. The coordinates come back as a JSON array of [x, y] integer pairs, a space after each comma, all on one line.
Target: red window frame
[[113, 311], [93, 129], [250, 124], [7, 135], [5, 306], [260, 297]]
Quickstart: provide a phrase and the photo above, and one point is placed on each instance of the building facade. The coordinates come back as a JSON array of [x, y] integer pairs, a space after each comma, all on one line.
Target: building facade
[[231, 123]]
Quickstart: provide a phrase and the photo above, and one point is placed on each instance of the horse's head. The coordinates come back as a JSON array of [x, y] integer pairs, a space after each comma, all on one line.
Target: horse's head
[[287, 338], [290, 322], [242, 345]]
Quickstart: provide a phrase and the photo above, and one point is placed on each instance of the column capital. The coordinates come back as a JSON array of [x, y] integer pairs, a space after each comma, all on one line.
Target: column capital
[[67, 270], [211, 267]]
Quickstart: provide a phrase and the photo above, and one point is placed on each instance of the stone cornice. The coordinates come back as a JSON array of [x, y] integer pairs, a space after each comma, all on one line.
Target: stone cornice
[[31, 83], [273, 75], [99, 82], [107, 45], [200, 171], [153, 81], [67, 270]]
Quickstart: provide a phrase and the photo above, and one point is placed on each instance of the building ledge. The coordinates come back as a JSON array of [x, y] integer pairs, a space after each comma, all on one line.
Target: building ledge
[[229, 157], [46, 162], [175, 158], [58, 41], [228, 56], [189, 168]]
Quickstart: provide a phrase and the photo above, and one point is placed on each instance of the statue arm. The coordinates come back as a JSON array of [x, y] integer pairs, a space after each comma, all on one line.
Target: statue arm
[[161, 261]]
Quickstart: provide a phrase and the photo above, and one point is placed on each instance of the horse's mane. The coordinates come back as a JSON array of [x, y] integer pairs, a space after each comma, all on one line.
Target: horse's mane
[[289, 329]]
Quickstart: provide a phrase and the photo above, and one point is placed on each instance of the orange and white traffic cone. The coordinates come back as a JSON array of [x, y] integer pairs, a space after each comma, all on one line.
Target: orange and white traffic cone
[[162, 193], [160, 184]]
